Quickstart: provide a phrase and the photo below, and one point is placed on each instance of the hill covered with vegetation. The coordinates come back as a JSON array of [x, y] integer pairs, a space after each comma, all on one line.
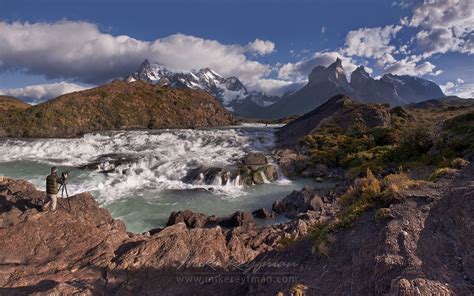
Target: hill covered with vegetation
[[117, 105], [9, 103]]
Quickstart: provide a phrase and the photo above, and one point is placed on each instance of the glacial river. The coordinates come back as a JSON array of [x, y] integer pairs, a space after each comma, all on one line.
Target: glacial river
[[146, 185]]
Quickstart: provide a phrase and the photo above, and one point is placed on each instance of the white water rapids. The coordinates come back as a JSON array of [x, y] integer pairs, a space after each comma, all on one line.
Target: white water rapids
[[145, 187]]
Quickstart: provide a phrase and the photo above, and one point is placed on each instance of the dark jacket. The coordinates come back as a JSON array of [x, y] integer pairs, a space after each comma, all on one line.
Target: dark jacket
[[52, 182]]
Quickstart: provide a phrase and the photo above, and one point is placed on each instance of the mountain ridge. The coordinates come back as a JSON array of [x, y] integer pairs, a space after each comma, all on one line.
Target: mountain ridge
[[323, 83], [116, 105]]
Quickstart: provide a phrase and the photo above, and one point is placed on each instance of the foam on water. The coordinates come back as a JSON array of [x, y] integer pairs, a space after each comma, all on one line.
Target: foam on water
[[145, 188], [158, 159]]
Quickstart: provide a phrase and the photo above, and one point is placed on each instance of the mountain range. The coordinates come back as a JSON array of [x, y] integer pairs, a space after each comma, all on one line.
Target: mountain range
[[229, 91], [323, 83]]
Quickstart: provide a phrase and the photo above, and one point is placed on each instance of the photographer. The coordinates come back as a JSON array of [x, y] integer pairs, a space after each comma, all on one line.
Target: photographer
[[52, 189]]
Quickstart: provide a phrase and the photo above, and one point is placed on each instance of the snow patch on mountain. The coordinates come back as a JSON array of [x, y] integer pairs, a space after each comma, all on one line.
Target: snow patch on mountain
[[228, 91]]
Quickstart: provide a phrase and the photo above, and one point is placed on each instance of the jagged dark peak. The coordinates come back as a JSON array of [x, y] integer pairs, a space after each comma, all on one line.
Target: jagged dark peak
[[146, 64], [318, 68], [334, 73], [361, 71], [336, 64]]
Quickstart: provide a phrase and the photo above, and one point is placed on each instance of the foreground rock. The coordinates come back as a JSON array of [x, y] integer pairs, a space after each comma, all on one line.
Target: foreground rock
[[84, 250], [424, 246], [316, 200]]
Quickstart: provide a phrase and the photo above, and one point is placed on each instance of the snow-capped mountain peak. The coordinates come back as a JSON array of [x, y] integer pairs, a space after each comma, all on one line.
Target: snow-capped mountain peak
[[227, 90]]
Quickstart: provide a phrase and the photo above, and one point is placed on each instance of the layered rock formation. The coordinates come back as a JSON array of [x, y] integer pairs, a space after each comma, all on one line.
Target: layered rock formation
[[81, 249]]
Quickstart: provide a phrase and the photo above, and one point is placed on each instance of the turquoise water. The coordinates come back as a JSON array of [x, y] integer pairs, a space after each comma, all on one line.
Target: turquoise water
[[146, 188]]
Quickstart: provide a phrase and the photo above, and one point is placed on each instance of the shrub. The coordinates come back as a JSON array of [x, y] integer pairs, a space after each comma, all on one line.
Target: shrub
[[442, 172], [381, 214], [414, 142], [385, 136], [320, 234], [459, 163]]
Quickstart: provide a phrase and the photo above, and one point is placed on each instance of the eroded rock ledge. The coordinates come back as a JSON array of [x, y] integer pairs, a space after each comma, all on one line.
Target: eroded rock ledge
[[424, 247], [86, 245]]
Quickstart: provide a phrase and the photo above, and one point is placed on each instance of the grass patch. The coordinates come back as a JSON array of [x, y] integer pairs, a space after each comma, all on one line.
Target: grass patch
[[442, 172], [365, 194]]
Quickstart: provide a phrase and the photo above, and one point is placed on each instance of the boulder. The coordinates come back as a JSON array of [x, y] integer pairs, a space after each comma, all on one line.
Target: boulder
[[302, 201], [277, 207], [190, 218], [239, 218], [257, 177], [254, 158], [271, 172], [263, 213]]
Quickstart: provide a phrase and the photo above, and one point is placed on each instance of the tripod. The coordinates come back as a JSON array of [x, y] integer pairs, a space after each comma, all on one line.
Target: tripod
[[63, 188]]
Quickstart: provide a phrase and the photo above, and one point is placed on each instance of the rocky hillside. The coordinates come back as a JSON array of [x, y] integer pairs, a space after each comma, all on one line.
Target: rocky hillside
[[8, 103], [117, 105], [340, 112]]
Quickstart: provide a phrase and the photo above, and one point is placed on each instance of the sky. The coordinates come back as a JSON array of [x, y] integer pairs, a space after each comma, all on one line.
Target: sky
[[51, 47]]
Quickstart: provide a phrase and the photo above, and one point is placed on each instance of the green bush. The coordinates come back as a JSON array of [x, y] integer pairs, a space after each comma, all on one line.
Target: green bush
[[414, 142]]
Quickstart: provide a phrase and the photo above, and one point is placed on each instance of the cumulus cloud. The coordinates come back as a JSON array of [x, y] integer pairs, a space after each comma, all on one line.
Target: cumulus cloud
[[260, 47], [411, 66], [38, 93], [300, 70], [447, 25], [372, 43], [458, 88], [78, 51]]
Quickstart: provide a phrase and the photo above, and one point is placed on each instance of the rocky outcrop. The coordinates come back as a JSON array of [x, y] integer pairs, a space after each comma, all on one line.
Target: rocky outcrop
[[424, 246], [253, 169], [80, 248], [340, 112], [316, 200]]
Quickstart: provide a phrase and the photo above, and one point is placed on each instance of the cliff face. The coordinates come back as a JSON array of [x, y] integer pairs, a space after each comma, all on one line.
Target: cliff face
[[117, 105]]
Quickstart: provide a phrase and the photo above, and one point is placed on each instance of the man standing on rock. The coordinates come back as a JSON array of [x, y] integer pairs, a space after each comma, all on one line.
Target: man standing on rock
[[52, 189]]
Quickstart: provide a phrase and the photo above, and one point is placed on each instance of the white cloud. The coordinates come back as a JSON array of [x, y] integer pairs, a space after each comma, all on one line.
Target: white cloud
[[300, 70], [274, 87], [42, 92], [260, 47], [447, 25], [79, 51], [372, 43], [411, 66], [323, 29], [464, 91], [459, 88], [447, 87]]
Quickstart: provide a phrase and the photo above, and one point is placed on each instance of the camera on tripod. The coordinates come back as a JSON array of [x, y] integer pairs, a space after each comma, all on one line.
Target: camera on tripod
[[64, 176], [63, 187]]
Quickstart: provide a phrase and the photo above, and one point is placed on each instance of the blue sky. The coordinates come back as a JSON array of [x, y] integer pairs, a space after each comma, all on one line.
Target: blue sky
[[48, 47]]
